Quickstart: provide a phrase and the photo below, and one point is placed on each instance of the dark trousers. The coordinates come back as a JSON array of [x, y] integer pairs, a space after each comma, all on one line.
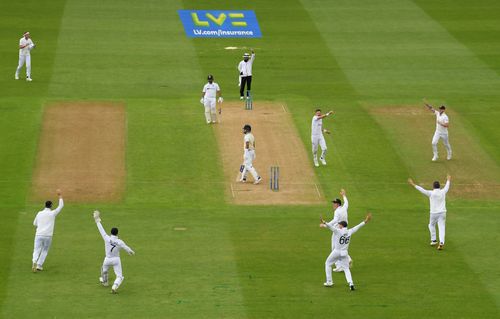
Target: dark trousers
[[248, 81]]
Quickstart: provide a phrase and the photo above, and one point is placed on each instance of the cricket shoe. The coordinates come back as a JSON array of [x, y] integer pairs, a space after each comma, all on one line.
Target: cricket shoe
[[440, 246], [257, 181], [448, 157], [352, 287], [434, 158], [104, 283], [16, 77], [29, 79], [39, 268], [328, 284], [33, 268], [434, 243], [322, 160], [316, 162], [242, 97], [114, 289], [213, 122]]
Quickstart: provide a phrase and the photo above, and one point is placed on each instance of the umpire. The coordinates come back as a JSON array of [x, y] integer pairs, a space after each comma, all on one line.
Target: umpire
[[245, 68]]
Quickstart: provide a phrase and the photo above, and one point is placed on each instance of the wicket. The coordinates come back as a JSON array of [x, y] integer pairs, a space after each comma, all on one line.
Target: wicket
[[274, 180], [248, 101]]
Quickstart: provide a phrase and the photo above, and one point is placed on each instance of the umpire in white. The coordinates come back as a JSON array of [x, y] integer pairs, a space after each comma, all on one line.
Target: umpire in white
[[44, 223], [245, 68]]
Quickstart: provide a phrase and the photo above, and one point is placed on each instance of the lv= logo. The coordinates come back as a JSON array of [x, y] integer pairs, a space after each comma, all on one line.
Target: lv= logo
[[219, 20]]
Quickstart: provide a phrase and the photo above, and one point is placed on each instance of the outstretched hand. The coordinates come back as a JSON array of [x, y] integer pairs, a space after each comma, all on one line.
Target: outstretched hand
[[368, 217], [342, 192], [448, 177], [97, 216], [58, 191], [411, 182]]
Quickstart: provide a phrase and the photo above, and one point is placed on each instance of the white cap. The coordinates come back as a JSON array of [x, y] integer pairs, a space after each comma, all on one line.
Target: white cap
[[246, 55]]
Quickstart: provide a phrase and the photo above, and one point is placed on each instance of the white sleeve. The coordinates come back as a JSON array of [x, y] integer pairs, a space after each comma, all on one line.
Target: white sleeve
[[35, 222], [346, 203], [446, 187], [59, 207], [331, 225], [217, 87], [356, 228], [423, 191], [204, 88], [252, 58], [101, 230], [125, 247], [239, 67]]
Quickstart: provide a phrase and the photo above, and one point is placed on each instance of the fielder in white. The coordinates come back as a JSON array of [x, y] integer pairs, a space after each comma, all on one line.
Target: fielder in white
[[25, 47], [442, 124], [44, 223], [342, 237], [437, 199], [112, 246], [209, 94], [340, 214], [317, 137], [249, 156]]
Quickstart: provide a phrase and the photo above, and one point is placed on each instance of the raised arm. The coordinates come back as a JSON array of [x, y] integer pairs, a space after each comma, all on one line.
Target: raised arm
[[252, 58], [60, 205], [447, 185], [346, 202], [97, 218], [420, 189], [363, 223], [322, 116]]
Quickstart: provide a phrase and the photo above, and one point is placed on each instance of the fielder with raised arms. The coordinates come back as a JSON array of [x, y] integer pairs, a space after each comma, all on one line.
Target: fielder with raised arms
[[112, 246], [209, 94], [340, 214], [25, 47], [342, 238], [442, 124], [249, 156], [44, 222], [317, 137], [437, 200]]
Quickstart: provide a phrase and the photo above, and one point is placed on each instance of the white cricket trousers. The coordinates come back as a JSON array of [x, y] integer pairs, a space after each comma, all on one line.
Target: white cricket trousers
[[116, 263], [318, 140], [342, 259], [440, 220], [24, 59], [248, 158], [435, 139], [42, 246], [338, 264], [210, 110]]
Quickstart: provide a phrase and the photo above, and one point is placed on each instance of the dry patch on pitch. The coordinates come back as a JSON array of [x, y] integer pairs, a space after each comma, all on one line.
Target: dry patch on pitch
[[277, 143], [82, 151], [411, 128]]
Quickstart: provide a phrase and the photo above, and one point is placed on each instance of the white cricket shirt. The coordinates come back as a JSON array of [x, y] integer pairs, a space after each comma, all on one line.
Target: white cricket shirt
[[45, 220], [443, 119], [251, 141], [112, 244], [246, 67], [437, 198], [25, 50], [316, 126], [211, 90], [342, 237]]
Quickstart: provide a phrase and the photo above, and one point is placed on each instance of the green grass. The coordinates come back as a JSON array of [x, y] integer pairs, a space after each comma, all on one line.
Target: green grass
[[257, 262]]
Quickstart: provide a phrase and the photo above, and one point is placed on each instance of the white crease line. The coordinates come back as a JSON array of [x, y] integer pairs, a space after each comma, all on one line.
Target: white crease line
[[232, 190], [283, 107], [317, 190]]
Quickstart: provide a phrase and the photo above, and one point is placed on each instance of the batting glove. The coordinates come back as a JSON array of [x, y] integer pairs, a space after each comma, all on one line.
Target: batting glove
[[221, 99], [97, 216]]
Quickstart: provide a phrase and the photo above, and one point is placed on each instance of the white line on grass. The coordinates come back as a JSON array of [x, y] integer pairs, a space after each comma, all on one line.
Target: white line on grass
[[317, 190]]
